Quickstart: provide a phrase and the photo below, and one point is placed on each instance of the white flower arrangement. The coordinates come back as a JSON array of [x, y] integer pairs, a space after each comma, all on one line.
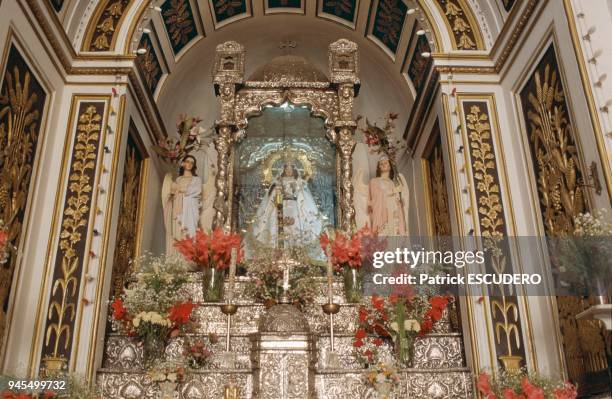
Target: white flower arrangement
[[151, 317]]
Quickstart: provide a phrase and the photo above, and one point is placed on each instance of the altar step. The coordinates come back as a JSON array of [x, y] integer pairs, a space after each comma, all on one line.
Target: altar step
[[435, 351], [453, 383]]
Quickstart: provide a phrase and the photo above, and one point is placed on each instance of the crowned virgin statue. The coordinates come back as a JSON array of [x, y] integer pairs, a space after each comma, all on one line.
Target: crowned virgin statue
[[288, 214]]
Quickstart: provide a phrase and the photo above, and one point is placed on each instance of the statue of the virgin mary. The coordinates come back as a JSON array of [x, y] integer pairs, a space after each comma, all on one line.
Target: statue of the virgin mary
[[288, 209]]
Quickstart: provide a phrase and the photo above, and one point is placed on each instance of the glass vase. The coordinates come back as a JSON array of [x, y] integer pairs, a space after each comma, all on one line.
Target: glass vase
[[154, 349], [213, 285], [404, 350], [353, 285]]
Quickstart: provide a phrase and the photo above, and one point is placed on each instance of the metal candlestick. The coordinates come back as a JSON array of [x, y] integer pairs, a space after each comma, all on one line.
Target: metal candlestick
[[228, 309], [332, 357]]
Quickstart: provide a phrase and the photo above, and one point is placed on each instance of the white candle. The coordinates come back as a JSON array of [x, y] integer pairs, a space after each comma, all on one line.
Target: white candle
[[232, 274], [330, 276], [286, 279]]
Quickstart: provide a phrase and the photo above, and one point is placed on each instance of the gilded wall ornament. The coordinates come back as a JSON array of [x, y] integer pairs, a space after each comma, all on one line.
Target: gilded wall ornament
[[225, 9], [440, 207], [389, 21], [344, 9], [465, 31], [560, 180], [102, 30], [129, 208], [505, 312], [22, 101], [148, 64], [72, 248], [180, 23], [420, 66]]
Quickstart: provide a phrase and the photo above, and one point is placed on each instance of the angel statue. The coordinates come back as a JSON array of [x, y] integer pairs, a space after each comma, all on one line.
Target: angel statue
[[182, 202], [288, 209], [387, 200]]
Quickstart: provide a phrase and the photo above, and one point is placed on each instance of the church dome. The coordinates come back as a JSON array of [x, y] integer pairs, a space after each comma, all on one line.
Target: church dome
[[288, 70]]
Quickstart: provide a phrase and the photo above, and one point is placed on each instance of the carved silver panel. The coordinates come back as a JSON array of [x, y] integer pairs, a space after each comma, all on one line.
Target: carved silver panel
[[438, 352], [439, 385], [122, 353], [200, 385]]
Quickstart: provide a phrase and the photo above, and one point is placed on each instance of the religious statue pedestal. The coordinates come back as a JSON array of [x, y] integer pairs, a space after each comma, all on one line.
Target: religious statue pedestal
[[283, 355]]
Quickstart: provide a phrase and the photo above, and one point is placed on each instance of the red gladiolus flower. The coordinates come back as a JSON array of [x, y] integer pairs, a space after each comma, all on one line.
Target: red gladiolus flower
[[368, 353], [531, 391], [119, 311], [377, 341], [179, 314], [358, 343], [484, 386], [360, 333]]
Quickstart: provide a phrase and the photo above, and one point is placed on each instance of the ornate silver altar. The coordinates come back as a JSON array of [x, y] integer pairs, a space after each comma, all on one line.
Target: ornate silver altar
[[438, 370]]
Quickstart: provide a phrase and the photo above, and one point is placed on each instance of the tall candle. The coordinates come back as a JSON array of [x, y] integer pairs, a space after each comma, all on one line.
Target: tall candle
[[286, 279], [330, 276], [232, 274]]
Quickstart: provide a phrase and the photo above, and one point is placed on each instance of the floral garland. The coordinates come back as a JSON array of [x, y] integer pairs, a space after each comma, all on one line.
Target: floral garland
[[397, 319], [523, 386], [212, 250], [191, 137]]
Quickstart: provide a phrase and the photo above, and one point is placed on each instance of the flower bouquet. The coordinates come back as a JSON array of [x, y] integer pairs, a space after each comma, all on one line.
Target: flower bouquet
[[198, 353], [399, 320], [523, 386], [347, 256], [191, 137], [212, 254], [383, 378], [155, 307], [265, 272]]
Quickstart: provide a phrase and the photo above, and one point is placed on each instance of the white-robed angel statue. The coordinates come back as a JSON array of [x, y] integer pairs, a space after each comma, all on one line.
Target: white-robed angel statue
[[387, 200], [182, 202], [300, 218]]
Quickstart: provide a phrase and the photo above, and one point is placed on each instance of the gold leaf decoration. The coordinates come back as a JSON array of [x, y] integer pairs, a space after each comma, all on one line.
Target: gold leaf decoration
[[504, 306], [561, 189], [72, 246], [464, 34], [103, 28], [22, 101], [127, 230]]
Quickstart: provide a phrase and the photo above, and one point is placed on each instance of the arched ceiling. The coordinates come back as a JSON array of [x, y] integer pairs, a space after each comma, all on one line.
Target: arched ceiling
[[175, 41]]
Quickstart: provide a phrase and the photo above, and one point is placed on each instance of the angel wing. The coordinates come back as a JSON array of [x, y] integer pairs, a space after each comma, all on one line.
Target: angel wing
[[167, 207], [207, 211], [360, 199], [405, 200]]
